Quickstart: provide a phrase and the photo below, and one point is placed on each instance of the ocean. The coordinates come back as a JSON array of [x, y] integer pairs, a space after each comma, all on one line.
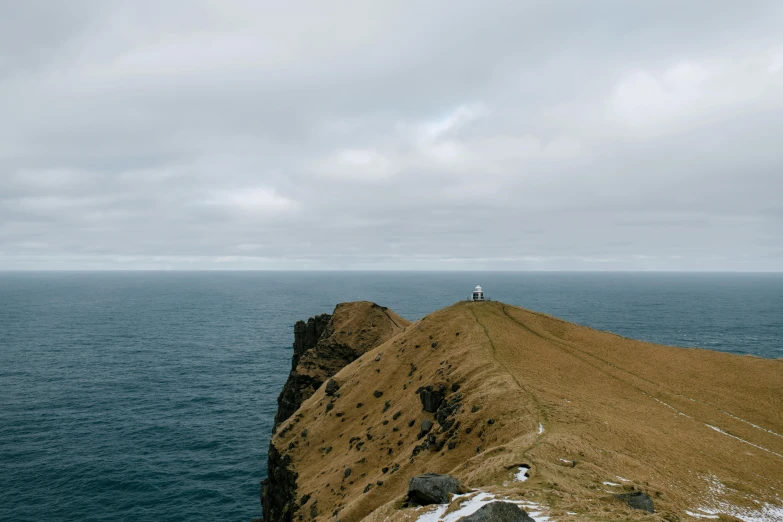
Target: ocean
[[138, 396]]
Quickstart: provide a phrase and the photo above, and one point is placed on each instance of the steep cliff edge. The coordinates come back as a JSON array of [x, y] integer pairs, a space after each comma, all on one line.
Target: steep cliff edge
[[570, 421], [322, 346]]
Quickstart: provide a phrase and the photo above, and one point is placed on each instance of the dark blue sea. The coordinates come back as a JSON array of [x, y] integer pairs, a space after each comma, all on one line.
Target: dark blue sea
[[149, 396]]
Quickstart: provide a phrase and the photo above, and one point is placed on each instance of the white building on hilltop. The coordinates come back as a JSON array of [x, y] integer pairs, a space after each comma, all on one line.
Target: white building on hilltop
[[478, 293]]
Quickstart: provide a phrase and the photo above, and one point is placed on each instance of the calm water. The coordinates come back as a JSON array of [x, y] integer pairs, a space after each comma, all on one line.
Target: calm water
[[150, 396]]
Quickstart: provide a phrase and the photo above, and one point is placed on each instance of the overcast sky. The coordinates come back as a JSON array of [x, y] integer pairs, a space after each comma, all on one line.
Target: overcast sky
[[517, 135]]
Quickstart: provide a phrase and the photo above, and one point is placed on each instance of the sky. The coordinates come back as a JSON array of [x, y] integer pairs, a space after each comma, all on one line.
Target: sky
[[401, 135]]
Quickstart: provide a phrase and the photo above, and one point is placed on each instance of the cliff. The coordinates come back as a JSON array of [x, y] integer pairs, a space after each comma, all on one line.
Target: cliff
[[322, 346], [570, 422]]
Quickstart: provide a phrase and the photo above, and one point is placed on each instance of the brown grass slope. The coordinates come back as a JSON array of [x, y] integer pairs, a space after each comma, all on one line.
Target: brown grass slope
[[609, 407]]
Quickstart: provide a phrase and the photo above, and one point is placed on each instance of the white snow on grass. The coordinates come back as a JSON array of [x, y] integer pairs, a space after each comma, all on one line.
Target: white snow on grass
[[623, 479], [540, 428], [607, 483], [473, 503], [743, 440], [701, 515], [522, 475], [754, 425]]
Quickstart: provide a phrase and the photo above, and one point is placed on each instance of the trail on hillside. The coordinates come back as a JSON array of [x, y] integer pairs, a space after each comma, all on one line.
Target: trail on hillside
[[568, 347], [542, 416]]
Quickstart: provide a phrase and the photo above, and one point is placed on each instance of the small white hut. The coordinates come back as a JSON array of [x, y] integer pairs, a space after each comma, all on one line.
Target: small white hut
[[478, 293]]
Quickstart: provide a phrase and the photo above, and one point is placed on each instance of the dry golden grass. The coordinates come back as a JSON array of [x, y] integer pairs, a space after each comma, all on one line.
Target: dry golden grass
[[613, 406]]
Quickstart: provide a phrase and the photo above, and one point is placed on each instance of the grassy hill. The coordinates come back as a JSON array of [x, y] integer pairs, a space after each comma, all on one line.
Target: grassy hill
[[592, 414]]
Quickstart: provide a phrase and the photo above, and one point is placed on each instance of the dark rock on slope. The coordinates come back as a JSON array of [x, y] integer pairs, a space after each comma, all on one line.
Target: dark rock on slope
[[432, 488], [499, 512], [638, 500]]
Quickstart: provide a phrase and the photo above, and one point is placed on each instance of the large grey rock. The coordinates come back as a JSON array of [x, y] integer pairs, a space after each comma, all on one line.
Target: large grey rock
[[638, 500], [426, 426], [432, 488], [498, 512], [430, 398]]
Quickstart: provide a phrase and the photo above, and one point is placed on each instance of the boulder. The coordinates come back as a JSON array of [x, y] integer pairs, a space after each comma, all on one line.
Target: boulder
[[430, 398], [432, 488], [498, 512], [638, 500], [331, 387], [426, 426]]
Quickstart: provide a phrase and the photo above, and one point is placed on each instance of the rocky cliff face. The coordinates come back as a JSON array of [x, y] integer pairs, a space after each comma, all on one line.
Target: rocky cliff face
[[306, 336], [323, 346]]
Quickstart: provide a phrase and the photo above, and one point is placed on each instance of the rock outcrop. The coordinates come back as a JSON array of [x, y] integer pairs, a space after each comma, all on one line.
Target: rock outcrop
[[295, 391], [499, 512], [432, 488], [322, 347]]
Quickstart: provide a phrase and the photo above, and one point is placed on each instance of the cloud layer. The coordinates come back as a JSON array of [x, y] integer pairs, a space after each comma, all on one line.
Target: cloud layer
[[399, 135]]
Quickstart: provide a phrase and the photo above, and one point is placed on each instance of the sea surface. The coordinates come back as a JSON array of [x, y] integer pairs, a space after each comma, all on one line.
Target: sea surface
[[149, 396]]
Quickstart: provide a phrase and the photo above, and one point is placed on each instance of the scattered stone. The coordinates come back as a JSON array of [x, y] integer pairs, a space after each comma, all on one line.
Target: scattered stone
[[339, 414], [377, 357], [499, 512], [455, 386], [329, 407], [386, 406], [367, 488], [347, 473], [304, 499], [457, 334], [638, 500], [411, 423], [475, 408], [304, 433], [434, 345], [378, 394], [452, 445], [491, 422], [385, 422], [432, 488], [379, 483], [396, 415], [359, 404], [331, 387], [384, 470], [426, 427], [313, 511]]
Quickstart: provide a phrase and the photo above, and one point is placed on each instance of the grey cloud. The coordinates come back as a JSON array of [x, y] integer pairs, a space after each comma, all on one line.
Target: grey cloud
[[443, 135]]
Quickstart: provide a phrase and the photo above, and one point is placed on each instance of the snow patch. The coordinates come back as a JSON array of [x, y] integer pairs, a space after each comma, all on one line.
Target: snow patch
[[476, 502], [743, 440], [540, 428], [607, 483], [522, 475], [700, 515]]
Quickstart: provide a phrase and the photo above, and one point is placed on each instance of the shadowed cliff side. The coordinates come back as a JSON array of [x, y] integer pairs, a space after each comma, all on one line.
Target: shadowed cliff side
[[323, 346]]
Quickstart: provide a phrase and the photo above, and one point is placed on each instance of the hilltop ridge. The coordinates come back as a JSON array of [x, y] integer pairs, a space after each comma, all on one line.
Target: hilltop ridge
[[521, 405]]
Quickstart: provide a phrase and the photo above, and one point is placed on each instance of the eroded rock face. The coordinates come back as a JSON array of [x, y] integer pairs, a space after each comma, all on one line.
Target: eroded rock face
[[306, 336], [432, 488], [499, 512], [279, 485], [323, 346]]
